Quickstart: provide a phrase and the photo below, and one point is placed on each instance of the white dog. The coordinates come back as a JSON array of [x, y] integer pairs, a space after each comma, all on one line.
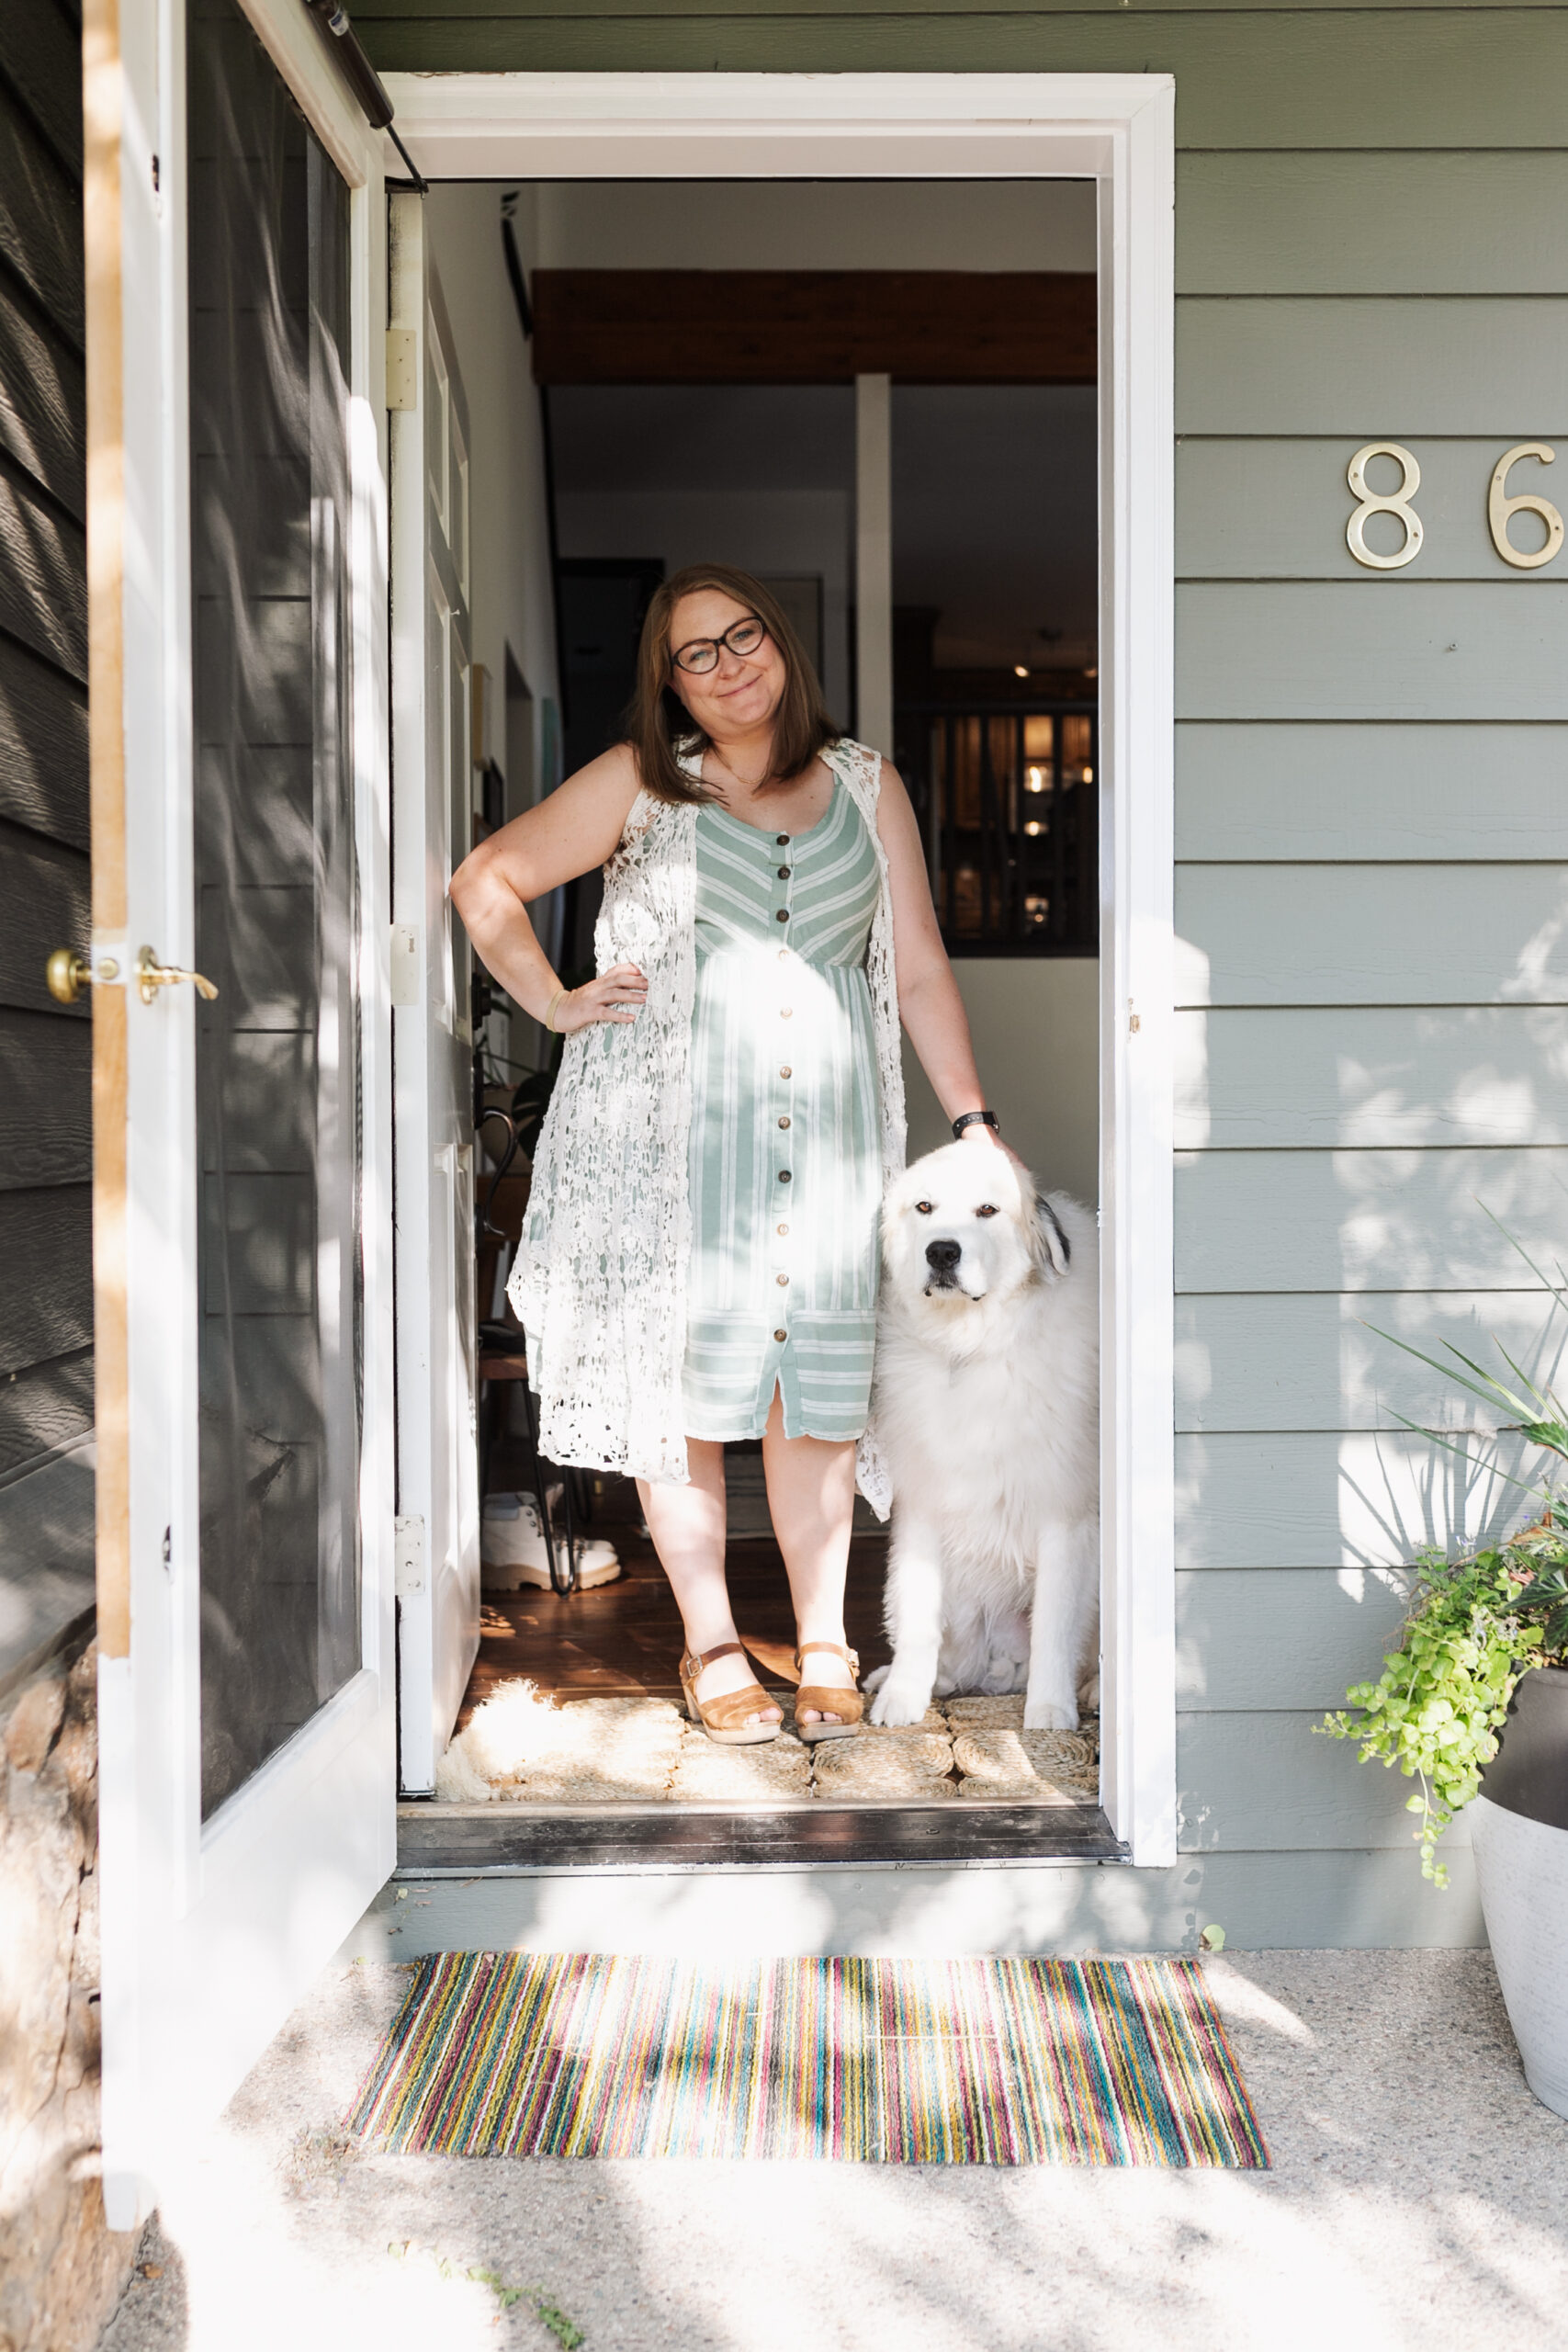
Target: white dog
[[986, 1408]]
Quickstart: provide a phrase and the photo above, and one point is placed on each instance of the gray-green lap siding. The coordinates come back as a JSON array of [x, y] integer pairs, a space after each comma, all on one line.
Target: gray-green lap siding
[[1371, 835]]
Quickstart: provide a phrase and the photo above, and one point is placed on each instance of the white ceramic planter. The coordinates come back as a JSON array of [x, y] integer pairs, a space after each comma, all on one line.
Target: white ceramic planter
[[1523, 1870], [1520, 1835]]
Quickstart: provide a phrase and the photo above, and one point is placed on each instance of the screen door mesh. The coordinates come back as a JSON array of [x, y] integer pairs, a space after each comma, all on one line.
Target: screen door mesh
[[277, 1062]]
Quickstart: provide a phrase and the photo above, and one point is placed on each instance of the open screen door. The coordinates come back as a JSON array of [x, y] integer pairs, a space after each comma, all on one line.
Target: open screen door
[[439, 1562], [241, 1046]]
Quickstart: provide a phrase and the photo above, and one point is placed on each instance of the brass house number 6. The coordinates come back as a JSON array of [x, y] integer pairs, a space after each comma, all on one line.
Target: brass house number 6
[[1500, 508]]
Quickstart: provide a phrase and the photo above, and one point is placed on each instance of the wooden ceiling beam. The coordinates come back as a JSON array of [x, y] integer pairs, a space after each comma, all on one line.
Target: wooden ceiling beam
[[813, 326]]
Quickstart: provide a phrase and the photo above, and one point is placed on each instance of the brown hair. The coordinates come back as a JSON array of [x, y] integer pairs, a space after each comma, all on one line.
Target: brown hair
[[658, 725]]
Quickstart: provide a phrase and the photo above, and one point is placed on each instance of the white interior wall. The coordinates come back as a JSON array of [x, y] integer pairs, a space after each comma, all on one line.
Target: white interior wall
[[510, 601], [826, 224], [1036, 1027], [767, 531]]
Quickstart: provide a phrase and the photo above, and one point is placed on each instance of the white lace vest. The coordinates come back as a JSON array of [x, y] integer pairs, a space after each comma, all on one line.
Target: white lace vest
[[599, 1281]]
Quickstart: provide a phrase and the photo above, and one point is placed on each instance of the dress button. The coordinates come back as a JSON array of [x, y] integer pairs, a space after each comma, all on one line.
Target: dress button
[[784, 1071], [783, 1123], [781, 1335], [782, 1281], [783, 1175], [784, 954], [782, 915], [784, 1012], [784, 1228], [783, 873], [783, 840]]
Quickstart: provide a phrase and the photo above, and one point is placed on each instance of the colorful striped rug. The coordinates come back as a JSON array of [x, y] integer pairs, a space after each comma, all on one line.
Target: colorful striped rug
[[991, 2061]]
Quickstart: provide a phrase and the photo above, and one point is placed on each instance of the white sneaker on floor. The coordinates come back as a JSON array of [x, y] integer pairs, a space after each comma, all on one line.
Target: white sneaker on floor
[[513, 1554]]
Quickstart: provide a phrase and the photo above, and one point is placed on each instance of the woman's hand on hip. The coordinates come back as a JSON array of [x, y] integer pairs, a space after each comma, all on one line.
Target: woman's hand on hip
[[618, 994]]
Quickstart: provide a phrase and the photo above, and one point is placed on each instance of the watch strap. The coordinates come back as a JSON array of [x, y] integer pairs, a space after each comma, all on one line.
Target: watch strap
[[975, 1119]]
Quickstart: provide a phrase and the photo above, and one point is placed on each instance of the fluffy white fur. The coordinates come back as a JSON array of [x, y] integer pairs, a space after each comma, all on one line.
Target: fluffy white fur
[[987, 1410]]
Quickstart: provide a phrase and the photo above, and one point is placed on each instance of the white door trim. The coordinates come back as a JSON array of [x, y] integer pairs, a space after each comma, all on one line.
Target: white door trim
[[212, 1931], [438, 1614], [1118, 130]]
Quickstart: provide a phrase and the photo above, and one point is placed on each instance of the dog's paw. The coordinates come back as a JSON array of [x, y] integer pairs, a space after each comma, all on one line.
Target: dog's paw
[[1089, 1695], [898, 1703], [1038, 1716], [875, 1678]]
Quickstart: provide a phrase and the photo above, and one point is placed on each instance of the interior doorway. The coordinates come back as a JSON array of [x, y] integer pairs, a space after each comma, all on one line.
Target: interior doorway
[[1118, 761], [906, 453]]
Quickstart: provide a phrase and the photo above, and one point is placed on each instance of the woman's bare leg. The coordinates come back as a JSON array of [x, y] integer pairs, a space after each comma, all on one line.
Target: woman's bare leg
[[687, 1527], [811, 1494]]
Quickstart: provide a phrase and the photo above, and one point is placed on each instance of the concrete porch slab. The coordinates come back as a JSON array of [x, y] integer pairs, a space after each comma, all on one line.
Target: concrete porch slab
[[1416, 2185]]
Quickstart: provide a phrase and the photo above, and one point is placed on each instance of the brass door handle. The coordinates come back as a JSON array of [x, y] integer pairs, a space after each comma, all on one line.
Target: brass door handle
[[66, 974], [151, 976]]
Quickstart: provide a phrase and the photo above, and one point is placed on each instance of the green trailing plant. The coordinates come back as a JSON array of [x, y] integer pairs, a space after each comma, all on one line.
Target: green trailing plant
[[1473, 1626]]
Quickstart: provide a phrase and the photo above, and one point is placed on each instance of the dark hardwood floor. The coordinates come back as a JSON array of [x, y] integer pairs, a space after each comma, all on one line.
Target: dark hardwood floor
[[625, 1637]]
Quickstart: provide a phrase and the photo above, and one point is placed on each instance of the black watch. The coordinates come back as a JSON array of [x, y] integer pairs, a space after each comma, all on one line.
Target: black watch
[[975, 1119]]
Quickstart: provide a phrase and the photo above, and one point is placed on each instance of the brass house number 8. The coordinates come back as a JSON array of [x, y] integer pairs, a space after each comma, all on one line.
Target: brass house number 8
[[1500, 508]]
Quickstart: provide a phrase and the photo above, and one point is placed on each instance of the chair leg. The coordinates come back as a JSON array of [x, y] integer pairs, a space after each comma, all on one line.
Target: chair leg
[[569, 1584], [541, 1486]]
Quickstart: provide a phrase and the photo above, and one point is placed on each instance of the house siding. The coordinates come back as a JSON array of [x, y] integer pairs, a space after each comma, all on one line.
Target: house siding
[[1372, 829], [46, 1281]]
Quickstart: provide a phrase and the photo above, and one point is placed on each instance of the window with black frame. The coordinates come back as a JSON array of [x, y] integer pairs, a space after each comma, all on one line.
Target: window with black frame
[[996, 667]]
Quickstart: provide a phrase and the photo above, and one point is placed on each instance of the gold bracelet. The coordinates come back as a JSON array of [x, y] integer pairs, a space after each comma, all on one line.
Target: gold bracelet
[[550, 1012]]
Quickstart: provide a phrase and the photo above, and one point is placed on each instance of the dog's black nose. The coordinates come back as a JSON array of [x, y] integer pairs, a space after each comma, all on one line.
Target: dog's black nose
[[942, 1256]]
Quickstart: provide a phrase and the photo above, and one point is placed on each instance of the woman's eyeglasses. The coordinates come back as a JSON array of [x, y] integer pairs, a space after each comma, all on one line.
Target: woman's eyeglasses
[[741, 636]]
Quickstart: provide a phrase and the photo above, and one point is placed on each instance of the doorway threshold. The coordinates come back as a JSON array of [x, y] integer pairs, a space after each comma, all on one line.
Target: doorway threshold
[[438, 1840]]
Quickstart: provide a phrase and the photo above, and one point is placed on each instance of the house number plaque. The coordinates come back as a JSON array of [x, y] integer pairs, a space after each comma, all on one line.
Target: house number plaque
[[1500, 508]]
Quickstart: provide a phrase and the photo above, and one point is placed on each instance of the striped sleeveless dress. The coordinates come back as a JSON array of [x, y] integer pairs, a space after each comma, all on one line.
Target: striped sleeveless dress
[[784, 1172]]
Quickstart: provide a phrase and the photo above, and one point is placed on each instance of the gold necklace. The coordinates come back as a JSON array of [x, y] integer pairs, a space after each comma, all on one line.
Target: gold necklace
[[752, 788]]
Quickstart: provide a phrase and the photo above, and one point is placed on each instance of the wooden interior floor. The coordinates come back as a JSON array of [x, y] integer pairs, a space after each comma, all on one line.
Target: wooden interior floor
[[625, 1637]]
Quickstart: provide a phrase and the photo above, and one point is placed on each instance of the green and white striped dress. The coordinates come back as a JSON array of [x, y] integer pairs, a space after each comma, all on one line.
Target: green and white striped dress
[[785, 1174]]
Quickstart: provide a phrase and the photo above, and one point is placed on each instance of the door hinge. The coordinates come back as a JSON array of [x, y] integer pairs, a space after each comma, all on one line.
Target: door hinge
[[405, 964], [408, 1547], [402, 368]]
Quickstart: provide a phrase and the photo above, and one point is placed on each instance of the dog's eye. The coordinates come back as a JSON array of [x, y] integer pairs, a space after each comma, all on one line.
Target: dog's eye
[[923, 1208], [987, 1208]]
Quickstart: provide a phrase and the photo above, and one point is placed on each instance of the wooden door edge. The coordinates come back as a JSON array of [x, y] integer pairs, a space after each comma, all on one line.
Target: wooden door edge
[[103, 111]]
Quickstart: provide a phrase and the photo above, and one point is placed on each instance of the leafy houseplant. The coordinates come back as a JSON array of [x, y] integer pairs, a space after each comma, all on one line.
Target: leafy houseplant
[[1473, 1627], [1474, 1704]]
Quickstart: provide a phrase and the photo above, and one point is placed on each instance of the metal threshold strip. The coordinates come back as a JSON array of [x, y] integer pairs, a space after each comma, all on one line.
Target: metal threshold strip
[[468, 1841]]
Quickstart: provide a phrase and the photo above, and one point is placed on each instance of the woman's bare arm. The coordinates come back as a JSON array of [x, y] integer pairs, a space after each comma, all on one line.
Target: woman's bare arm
[[576, 828], [929, 1003]]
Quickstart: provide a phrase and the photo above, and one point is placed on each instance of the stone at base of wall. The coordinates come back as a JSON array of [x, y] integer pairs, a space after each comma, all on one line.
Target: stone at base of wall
[[61, 2269]]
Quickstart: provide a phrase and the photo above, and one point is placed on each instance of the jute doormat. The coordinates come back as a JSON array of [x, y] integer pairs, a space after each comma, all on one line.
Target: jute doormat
[[998, 2062]]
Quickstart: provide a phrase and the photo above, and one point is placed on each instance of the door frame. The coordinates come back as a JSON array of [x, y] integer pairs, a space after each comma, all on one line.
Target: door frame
[[438, 1610], [242, 1909], [1118, 130]]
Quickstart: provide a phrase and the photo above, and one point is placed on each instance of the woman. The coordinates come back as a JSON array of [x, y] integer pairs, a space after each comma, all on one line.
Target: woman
[[699, 1261]]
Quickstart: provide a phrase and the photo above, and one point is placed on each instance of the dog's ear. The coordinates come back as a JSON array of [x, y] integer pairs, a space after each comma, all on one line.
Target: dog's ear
[[1049, 1246]]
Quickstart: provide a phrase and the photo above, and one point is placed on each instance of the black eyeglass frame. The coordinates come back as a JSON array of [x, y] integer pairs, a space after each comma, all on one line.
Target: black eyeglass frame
[[747, 620]]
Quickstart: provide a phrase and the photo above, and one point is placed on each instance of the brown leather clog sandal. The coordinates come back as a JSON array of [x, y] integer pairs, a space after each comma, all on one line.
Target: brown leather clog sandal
[[729, 1721], [821, 1698]]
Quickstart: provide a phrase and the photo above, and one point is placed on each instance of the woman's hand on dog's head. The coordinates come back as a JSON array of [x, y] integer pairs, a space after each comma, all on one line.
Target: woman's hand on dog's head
[[992, 1141]]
